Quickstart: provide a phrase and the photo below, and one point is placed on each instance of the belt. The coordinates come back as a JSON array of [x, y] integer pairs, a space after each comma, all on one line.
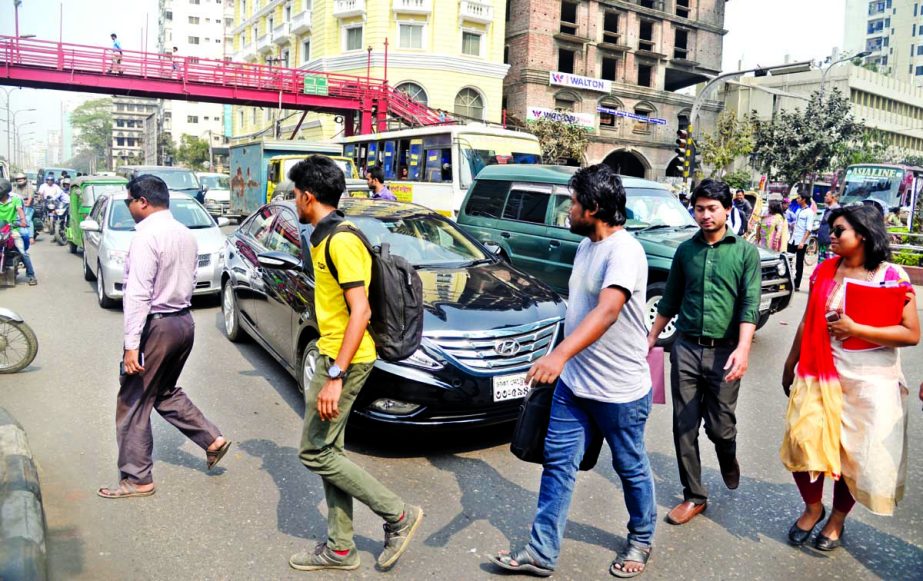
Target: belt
[[179, 313], [710, 341]]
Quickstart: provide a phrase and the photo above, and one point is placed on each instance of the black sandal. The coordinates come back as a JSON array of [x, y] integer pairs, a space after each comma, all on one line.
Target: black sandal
[[633, 553], [825, 543], [525, 563], [798, 536]]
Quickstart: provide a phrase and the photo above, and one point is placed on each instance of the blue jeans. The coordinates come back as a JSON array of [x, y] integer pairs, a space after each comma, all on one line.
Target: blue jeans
[[30, 213], [622, 425], [21, 243]]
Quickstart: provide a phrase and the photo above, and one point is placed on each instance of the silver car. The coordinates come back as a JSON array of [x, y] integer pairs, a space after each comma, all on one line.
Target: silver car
[[107, 234], [217, 192]]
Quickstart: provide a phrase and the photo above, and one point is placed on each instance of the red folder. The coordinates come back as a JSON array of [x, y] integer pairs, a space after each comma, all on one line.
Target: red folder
[[875, 304], [655, 362]]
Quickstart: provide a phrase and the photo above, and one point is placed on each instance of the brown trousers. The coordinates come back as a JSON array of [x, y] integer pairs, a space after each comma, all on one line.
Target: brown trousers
[[165, 344]]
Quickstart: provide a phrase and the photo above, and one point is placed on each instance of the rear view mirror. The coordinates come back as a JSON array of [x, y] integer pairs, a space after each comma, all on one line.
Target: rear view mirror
[[90, 225], [494, 248], [278, 261]]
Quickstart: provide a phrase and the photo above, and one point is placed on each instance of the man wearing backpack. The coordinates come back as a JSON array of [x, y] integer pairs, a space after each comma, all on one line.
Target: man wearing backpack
[[347, 354]]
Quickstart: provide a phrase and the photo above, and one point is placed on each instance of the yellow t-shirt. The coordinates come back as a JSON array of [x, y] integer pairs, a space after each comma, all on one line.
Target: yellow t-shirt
[[354, 267]]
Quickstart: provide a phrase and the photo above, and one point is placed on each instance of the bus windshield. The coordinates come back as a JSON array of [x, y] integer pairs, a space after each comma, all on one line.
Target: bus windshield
[[871, 181], [479, 151]]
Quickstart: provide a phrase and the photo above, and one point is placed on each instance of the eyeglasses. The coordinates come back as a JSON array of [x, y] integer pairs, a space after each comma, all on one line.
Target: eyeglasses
[[130, 199], [838, 231]]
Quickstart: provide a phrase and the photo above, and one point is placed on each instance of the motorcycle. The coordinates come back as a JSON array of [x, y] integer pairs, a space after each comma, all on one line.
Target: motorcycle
[[38, 219], [49, 207], [10, 260], [62, 216], [18, 343]]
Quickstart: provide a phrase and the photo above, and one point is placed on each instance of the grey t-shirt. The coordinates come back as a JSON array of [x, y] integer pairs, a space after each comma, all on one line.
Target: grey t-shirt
[[613, 369]]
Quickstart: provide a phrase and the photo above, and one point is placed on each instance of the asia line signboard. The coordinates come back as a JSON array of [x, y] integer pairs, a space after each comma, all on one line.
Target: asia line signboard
[[578, 82], [585, 120]]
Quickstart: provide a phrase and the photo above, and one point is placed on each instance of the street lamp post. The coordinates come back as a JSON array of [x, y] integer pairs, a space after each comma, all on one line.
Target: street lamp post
[[9, 138], [823, 75], [17, 138]]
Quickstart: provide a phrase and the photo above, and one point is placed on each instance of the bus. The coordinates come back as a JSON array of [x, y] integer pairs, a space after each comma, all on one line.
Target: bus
[[433, 166], [893, 185]]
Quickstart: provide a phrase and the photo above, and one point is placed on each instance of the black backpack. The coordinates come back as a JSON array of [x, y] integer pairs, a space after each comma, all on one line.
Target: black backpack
[[395, 296]]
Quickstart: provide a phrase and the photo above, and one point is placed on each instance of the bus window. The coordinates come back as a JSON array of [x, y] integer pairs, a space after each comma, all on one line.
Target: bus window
[[388, 157], [415, 160], [349, 150], [372, 159], [438, 165]]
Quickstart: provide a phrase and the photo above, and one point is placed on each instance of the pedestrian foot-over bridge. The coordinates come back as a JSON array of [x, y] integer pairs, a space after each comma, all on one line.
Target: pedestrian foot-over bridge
[[43, 64]]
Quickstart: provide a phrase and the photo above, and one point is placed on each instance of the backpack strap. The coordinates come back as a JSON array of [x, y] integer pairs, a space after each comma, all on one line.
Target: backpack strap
[[342, 228]]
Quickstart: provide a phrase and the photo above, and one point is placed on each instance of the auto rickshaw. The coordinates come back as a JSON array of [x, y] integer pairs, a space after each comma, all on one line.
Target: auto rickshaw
[[84, 192]]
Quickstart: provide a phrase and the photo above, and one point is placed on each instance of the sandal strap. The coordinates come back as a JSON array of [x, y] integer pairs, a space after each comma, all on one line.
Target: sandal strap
[[523, 557], [634, 553]]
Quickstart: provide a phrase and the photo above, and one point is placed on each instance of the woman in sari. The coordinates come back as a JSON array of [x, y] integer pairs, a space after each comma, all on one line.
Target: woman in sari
[[846, 416], [772, 233]]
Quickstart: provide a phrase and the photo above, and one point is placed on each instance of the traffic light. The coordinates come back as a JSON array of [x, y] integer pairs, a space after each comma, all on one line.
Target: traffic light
[[684, 149], [682, 137]]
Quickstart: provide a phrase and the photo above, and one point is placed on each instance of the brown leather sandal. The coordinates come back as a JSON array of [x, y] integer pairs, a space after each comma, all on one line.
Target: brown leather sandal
[[212, 457], [125, 489]]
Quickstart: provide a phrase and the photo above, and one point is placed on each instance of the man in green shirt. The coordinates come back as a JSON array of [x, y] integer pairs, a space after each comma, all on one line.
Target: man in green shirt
[[714, 288], [11, 212]]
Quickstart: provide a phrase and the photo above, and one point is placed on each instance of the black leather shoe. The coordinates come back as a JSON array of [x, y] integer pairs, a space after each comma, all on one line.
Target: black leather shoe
[[822, 543], [731, 475], [798, 537]]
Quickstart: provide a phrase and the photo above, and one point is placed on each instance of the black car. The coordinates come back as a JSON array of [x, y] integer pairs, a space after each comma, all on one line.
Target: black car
[[485, 322]]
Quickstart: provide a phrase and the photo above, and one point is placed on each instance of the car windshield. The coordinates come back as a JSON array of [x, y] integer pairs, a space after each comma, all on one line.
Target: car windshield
[[425, 241], [188, 212], [215, 182], [177, 180], [866, 182], [648, 208]]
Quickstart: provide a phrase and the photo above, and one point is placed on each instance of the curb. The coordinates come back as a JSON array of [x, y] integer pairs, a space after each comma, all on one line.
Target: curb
[[22, 517]]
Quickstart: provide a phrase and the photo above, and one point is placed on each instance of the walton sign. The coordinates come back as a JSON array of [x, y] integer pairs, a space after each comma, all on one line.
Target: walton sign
[[578, 82]]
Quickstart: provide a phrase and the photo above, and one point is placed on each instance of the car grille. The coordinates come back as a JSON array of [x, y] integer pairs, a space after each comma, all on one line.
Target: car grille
[[498, 350], [772, 284], [205, 259]]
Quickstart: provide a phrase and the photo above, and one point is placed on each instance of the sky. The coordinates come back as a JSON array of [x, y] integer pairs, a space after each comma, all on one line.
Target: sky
[[757, 35]]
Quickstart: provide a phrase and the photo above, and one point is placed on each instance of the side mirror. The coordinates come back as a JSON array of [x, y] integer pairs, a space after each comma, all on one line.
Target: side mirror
[[278, 261], [494, 248], [204, 189], [90, 225], [222, 221]]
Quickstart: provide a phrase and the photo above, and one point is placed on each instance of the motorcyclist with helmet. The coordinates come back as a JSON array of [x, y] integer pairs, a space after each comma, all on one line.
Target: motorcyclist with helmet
[[24, 190], [11, 211]]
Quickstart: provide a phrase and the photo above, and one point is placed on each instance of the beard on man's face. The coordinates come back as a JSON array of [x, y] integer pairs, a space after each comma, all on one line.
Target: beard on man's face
[[581, 227]]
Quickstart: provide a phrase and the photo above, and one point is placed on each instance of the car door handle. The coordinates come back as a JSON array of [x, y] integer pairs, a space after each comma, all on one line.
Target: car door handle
[[554, 244], [504, 234]]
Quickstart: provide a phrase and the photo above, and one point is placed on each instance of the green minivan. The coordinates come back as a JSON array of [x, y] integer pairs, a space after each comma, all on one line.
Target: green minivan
[[84, 191], [522, 212]]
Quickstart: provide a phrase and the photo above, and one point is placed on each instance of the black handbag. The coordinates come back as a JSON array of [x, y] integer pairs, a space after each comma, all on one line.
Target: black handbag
[[528, 442]]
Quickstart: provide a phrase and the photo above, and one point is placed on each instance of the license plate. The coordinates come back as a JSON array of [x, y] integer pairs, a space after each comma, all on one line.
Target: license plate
[[764, 305], [507, 387]]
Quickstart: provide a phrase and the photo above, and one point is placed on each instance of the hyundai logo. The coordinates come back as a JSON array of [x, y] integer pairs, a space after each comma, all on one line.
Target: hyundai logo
[[508, 347]]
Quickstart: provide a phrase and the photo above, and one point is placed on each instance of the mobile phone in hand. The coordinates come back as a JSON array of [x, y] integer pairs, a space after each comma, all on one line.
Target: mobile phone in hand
[[832, 316]]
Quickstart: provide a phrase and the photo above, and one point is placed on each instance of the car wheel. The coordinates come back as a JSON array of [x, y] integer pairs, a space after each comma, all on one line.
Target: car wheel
[[308, 365], [104, 300], [231, 315], [654, 294], [764, 318], [87, 272], [72, 247]]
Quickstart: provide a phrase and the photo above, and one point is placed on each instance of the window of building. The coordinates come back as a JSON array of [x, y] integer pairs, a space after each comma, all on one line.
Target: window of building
[[192, 119], [649, 3], [646, 35], [254, 32], [919, 72], [286, 58], [253, 113], [506, 54], [196, 2], [243, 7], [288, 12], [920, 50], [568, 17], [471, 43], [469, 103], [193, 20], [353, 38], [305, 50], [413, 91], [270, 23], [645, 75], [564, 103], [168, 15], [565, 60], [607, 68], [193, 40], [681, 44], [411, 35], [682, 8], [611, 27]]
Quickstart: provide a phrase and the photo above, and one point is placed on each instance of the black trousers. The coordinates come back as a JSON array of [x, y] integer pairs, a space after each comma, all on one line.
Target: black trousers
[[799, 262], [700, 393]]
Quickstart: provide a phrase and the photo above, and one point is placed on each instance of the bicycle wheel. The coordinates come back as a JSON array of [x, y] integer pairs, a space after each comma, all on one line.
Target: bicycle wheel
[[18, 346]]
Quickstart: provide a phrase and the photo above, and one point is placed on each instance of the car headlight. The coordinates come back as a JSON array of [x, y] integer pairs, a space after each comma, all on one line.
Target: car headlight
[[117, 257], [781, 268], [394, 407], [422, 360]]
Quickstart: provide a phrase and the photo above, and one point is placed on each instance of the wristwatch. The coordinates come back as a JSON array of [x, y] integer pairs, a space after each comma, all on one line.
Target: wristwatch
[[334, 372]]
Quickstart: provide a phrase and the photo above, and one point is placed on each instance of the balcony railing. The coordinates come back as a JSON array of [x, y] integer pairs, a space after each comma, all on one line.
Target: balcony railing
[[413, 6], [246, 51], [280, 33], [264, 43], [348, 8], [301, 22], [476, 11]]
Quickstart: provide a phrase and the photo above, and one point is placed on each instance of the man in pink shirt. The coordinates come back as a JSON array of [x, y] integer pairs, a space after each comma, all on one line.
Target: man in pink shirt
[[160, 275]]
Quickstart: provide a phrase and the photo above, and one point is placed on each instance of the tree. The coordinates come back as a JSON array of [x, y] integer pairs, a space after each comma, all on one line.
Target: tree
[[560, 142], [166, 149], [738, 180], [795, 144], [92, 124], [193, 152], [731, 139]]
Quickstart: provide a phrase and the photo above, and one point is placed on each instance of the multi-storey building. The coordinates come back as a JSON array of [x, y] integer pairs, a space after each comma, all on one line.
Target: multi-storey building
[[892, 31], [128, 117], [198, 29], [447, 54], [892, 107], [614, 67]]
